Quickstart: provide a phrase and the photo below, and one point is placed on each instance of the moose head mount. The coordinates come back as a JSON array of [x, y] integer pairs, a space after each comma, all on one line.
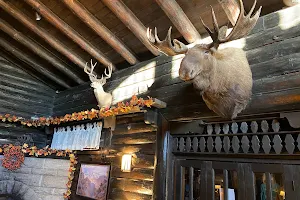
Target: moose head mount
[[104, 99], [223, 76]]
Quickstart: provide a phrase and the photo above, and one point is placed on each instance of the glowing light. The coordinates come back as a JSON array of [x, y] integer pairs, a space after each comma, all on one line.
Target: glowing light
[[126, 163]]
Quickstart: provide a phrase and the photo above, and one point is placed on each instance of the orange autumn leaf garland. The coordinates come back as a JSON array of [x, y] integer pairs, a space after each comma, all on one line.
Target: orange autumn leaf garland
[[14, 158], [134, 105]]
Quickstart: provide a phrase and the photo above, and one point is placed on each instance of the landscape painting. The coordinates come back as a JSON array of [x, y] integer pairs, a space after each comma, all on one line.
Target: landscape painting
[[93, 181]]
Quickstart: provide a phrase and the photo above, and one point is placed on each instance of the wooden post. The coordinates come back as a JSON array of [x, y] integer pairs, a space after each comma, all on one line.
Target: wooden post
[[179, 19], [69, 31], [131, 21], [39, 50], [89, 19], [13, 11], [35, 64]]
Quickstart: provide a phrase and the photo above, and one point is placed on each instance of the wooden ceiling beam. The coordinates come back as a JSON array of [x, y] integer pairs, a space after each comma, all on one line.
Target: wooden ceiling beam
[[90, 20], [33, 63], [131, 22], [39, 50], [70, 32], [52, 41], [231, 8], [180, 20]]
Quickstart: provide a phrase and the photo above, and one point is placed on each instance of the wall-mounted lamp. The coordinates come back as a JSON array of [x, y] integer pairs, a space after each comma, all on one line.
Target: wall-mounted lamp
[[126, 163], [38, 17]]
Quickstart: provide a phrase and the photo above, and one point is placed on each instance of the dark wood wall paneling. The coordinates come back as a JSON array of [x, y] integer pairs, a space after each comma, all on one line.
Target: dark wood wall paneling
[[133, 136], [25, 96], [272, 51]]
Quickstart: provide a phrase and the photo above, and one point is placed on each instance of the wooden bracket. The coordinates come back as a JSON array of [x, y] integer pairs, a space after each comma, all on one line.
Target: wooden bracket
[[195, 127], [110, 122], [151, 117], [293, 118]]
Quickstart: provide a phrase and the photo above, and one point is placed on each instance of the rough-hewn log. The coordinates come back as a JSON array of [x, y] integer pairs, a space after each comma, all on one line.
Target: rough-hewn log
[[137, 138], [70, 32], [39, 50], [179, 19], [29, 23], [37, 66], [231, 8], [136, 173], [131, 128], [90, 20], [129, 185], [129, 195], [131, 21]]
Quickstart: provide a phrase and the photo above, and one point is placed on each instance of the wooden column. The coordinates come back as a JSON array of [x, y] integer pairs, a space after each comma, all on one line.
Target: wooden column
[[29, 23], [131, 21], [179, 19], [39, 50], [89, 19], [33, 63], [69, 31]]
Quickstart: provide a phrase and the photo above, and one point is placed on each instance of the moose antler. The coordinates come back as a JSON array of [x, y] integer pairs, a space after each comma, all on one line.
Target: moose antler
[[166, 45], [93, 77], [243, 25]]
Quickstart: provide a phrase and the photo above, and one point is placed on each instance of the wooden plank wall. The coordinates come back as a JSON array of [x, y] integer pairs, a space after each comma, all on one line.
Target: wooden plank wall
[[25, 96], [273, 50], [132, 136]]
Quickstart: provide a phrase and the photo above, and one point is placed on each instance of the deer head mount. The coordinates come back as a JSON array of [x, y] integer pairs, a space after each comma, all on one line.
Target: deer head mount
[[223, 76], [104, 99]]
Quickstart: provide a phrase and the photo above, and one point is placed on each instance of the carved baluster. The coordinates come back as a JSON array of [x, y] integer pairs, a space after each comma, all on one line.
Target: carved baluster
[[235, 144], [298, 141], [195, 144], [188, 144], [254, 127], [255, 144], [218, 144], [209, 129], [176, 146], [244, 127], [275, 126], [266, 144], [245, 144], [210, 144], [202, 144], [217, 129], [289, 143], [264, 126], [277, 144], [181, 144], [226, 144], [225, 128], [234, 127]]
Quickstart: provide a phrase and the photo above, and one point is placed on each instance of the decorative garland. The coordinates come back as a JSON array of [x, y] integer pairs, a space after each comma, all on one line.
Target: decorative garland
[[134, 105], [14, 158]]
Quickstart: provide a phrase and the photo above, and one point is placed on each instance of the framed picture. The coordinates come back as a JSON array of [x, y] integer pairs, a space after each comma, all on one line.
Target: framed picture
[[93, 181]]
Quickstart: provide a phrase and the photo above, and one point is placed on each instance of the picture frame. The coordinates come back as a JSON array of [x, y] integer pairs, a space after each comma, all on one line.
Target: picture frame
[[93, 181]]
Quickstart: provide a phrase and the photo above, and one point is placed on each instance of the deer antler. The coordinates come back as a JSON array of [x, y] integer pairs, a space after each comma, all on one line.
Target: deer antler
[[166, 45], [243, 25], [107, 75], [92, 76]]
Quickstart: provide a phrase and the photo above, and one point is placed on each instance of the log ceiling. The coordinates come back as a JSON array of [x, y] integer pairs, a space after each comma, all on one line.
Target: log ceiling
[[71, 32]]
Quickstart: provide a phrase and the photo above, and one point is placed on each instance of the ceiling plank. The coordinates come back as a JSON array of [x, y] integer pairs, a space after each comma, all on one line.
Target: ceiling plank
[[29, 23], [70, 32], [179, 19], [39, 50], [90, 20], [131, 21], [231, 8], [33, 63]]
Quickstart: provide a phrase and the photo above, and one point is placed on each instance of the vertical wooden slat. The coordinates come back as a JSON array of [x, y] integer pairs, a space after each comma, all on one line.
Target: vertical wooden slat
[[268, 186], [241, 182], [191, 183], [249, 183], [207, 181], [225, 174], [179, 182], [291, 182]]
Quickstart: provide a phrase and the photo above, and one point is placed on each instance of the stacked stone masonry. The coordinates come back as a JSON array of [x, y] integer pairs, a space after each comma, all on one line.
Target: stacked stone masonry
[[38, 178]]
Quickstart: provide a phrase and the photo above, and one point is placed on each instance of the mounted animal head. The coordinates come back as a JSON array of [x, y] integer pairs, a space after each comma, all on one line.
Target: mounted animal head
[[104, 99], [223, 76]]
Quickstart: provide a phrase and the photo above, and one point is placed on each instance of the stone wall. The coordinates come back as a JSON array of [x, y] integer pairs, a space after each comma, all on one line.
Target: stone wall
[[46, 177]]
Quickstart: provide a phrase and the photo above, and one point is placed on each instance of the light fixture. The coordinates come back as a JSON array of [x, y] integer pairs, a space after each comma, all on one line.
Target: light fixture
[[126, 163], [218, 187], [37, 16], [282, 193]]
